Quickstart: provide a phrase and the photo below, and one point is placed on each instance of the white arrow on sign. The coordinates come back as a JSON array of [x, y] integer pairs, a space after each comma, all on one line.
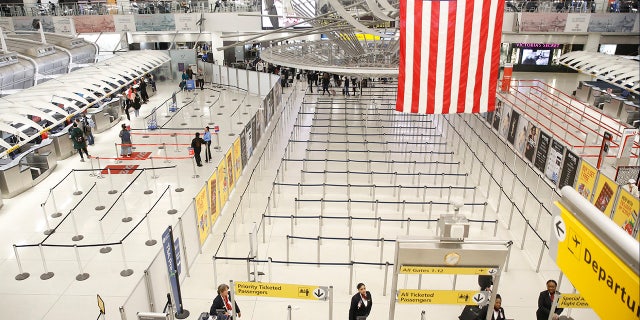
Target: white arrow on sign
[[559, 228], [479, 297], [493, 271]]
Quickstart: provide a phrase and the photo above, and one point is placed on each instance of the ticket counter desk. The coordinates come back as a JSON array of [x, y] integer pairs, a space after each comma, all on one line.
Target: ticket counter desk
[[62, 144], [27, 169], [105, 116], [613, 106], [583, 91], [630, 113]]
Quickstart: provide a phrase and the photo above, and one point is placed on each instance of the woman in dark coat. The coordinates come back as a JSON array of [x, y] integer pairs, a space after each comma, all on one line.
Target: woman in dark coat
[[222, 301], [361, 303], [79, 142]]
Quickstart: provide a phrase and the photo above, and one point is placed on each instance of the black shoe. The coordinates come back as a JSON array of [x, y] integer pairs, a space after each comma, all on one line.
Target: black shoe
[[199, 164]]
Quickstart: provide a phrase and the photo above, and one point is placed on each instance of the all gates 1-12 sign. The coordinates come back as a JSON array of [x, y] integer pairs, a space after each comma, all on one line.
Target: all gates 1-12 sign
[[610, 286]]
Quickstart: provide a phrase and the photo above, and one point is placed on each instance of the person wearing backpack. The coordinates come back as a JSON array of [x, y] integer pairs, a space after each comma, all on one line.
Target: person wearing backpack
[[137, 103], [125, 142], [196, 144], [87, 124], [79, 142]]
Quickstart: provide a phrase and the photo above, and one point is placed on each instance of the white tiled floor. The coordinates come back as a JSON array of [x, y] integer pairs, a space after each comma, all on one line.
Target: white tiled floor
[[61, 297]]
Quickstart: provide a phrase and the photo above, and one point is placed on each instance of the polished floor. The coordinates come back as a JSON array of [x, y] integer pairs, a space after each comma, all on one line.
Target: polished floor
[[297, 153]]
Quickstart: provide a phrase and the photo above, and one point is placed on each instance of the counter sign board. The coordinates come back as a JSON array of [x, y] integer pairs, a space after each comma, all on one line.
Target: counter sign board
[[572, 301], [466, 297], [281, 290], [610, 286], [447, 270]]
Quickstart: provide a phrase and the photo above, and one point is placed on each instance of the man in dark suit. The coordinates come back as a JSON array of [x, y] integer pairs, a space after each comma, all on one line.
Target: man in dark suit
[[545, 300], [361, 303], [223, 302]]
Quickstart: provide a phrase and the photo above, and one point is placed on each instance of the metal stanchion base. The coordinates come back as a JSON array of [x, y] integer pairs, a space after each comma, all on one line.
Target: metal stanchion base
[[46, 276], [172, 211], [221, 107], [183, 124], [150, 242], [82, 277], [183, 315], [195, 176], [22, 276], [98, 208], [160, 147], [105, 250], [219, 113], [194, 115], [56, 215], [126, 272], [48, 232], [179, 189], [167, 116], [112, 191], [77, 193], [210, 123], [77, 237], [245, 113], [232, 134], [196, 109], [127, 219], [145, 137], [148, 191], [239, 123]]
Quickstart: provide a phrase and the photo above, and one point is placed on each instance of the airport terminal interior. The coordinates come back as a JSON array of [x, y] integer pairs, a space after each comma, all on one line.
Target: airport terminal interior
[[314, 182]]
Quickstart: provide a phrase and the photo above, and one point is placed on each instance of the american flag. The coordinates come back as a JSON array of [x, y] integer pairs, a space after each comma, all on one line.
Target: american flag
[[449, 55]]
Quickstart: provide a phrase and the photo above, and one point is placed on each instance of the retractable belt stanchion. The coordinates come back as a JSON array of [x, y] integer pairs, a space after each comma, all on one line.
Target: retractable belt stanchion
[[77, 191], [21, 275], [126, 271], [47, 274], [112, 190], [81, 275], [48, 231]]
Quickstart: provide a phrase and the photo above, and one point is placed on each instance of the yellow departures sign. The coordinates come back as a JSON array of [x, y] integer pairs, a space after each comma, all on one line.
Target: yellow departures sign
[[281, 290], [448, 270], [440, 297], [610, 287]]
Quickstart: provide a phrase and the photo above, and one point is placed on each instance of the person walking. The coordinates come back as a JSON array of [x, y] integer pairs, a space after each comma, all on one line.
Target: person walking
[[196, 144], [143, 90], [222, 303], [87, 125], [545, 300], [125, 142], [200, 79], [325, 84], [79, 141], [207, 139], [346, 86], [136, 102], [361, 303]]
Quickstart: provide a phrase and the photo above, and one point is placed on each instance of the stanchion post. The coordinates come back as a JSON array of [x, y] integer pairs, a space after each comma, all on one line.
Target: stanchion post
[[48, 231], [47, 274], [81, 275], [178, 185], [172, 210], [112, 190], [150, 242], [106, 249], [21, 275], [77, 191], [126, 271], [195, 175], [56, 213], [76, 237]]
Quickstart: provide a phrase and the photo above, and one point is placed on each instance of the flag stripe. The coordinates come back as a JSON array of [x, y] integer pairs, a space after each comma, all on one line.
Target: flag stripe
[[451, 37], [433, 55], [449, 55], [417, 54], [403, 48]]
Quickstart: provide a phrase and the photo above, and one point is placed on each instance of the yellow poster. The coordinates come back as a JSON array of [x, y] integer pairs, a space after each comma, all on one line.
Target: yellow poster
[[626, 211], [202, 210], [229, 159], [605, 193], [223, 184], [213, 197], [237, 158], [586, 180]]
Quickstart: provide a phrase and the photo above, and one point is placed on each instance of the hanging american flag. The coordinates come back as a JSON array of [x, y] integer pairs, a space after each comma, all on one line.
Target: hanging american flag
[[449, 55]]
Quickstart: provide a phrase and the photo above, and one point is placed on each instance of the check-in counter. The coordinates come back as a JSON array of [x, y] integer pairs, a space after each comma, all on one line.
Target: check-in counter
[[594, 96], [27, 169], [630, 112], [583, 90], [106, 115], [613, 106], [62, 144]]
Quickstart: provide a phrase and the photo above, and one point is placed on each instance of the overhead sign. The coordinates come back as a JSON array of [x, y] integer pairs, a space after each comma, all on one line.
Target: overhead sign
[[465, 297], [572, 301], [281, 290], [447, 270], [607, 283]]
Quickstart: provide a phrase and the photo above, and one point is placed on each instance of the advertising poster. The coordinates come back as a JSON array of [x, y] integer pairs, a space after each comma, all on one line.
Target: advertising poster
[[606, 22], [223, 184], [569, 169], [64, 25], [170, 259], [521, 135], [513, 127], [27, 24], [543, 22], [267, 104], [626, 211], [248, 134], [586, 180], [505, 121], [213, 197], [93, 23], [254, 131], [243, 148], [605, 191], [577, 22], [6, 23], [124, 23], [542, 151], [497, 116], [237, 158], [202, 212], [230, 171], [187, 22], [554, 161], [532, 138], [155, 22]]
